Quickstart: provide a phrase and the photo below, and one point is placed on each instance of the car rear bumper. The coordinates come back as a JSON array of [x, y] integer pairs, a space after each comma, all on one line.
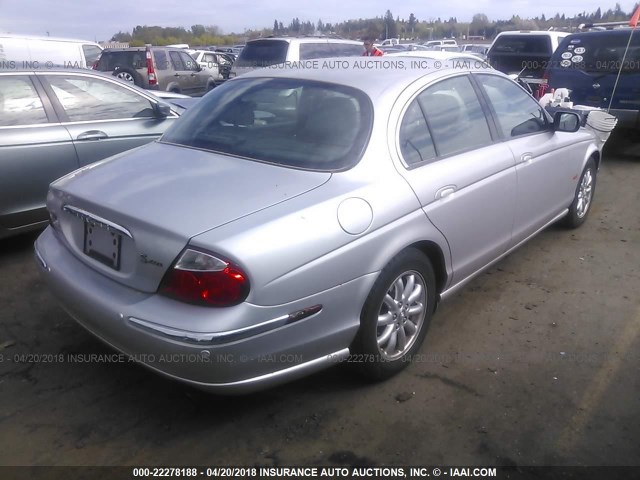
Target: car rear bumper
[[253, 357]]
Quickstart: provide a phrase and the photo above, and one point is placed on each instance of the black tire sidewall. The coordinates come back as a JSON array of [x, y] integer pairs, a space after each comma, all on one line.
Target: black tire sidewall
[[572, 218], [130, 71], [365, 354]]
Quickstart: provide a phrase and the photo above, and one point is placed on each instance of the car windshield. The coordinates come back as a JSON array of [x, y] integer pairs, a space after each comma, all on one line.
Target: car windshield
[[128, 58], [290, 122]]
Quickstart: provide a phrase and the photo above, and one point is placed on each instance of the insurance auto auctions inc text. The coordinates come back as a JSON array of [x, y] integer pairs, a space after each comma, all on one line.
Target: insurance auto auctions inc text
[[378, 64], [375, 472]]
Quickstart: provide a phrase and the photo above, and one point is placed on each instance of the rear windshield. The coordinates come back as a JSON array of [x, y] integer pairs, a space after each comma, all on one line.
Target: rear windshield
[[522, 44], [263, 53], [599, 53], [109, 60], [290, 122]]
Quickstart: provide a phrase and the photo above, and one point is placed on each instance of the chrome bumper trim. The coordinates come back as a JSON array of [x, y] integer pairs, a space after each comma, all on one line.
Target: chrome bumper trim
[[267, 380], [220, 338], [39, 258]]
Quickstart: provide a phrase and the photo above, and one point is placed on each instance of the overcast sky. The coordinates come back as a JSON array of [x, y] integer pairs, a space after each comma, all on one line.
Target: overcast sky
[[99, 20]]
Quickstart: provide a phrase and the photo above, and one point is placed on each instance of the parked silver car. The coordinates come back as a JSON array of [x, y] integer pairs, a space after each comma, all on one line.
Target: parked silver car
[[297, 217], [55, 121]]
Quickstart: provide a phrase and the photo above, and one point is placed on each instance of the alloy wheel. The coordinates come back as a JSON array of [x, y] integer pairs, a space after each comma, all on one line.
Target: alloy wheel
[[401, 315]]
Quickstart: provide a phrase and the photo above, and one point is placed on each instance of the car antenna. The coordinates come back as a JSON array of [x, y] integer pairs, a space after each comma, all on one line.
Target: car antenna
[[633, 23]]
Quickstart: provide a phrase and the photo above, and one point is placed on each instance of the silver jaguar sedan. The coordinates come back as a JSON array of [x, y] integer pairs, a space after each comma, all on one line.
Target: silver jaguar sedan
[[298, 217]]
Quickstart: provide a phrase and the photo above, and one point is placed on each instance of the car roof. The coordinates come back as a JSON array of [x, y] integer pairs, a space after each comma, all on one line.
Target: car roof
[[6, 68], [142, 49], [373, 75], [546, 33], [305, 39], [437, 55], [604, 33], [49, 39]]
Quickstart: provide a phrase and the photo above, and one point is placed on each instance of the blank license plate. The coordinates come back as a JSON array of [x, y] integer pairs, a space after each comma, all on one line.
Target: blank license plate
[[102, 244]]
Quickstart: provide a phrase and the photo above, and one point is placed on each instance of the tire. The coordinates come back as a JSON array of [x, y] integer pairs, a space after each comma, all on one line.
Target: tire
[[390, 333], [583, 198], [128, 75]]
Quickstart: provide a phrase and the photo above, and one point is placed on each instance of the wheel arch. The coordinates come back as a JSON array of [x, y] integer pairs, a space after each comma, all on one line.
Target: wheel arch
[[436, 256], [174, 87], [594, 153]]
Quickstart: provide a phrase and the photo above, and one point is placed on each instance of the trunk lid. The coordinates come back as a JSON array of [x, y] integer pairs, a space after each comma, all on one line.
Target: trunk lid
[[131, 215]]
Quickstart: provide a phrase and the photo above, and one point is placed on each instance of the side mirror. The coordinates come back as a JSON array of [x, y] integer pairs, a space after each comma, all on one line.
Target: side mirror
[[162, 110], [566, 122]]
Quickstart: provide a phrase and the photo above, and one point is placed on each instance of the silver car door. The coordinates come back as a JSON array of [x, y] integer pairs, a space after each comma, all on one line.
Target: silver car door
[[465, 183], [34, 151], [546, 162], [104, 117], [196, 77]]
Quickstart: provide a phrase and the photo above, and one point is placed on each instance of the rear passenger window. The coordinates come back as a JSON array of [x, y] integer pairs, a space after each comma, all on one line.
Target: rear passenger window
[[19, 102], [517, 112], [455, 116], [416, 145]]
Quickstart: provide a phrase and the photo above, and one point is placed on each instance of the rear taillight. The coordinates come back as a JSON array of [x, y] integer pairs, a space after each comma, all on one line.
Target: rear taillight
[[151, 73], [204, 279], [545, 78], [542, 88]]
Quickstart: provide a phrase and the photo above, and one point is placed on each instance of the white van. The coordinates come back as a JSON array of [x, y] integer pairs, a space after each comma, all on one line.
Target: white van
[[22, 51]]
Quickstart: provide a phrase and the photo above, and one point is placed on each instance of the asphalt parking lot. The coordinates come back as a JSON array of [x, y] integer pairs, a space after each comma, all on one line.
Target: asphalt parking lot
[[536, 362]]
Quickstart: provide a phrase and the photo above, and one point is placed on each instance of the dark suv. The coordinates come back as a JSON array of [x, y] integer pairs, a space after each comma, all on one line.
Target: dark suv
[[157, 68], [590, 63]]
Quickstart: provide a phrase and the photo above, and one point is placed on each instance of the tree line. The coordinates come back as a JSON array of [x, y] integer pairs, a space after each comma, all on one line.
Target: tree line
[[386, 26]]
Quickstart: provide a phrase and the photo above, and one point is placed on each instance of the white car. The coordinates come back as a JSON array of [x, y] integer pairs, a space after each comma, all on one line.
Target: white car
[[265, 52], [210, 62]]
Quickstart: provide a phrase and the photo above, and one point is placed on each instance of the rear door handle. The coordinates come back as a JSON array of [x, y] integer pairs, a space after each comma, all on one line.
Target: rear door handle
[[526, 157], [92, 135], [445, 191]]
